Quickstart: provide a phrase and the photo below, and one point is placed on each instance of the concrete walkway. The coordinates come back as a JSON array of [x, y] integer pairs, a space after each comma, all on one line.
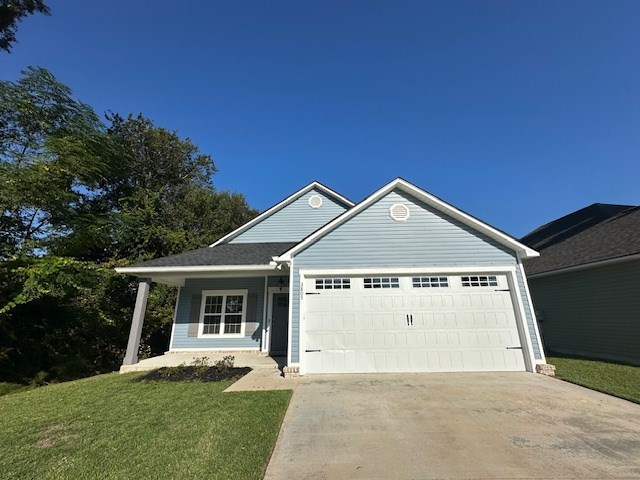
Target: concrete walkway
[[255, 360], [424, 426], [264, 379]]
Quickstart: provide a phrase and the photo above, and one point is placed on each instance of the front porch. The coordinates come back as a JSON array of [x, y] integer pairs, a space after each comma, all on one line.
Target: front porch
[[254, 360]]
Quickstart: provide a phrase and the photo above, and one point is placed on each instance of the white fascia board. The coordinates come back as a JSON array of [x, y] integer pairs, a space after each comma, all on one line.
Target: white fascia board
[[407, 270], [282, 204], [523, 250], [584, 266], [193, 269]]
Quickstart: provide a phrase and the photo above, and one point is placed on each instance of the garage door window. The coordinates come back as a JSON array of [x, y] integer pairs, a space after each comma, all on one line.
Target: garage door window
[[381, 282], [480, 281], [333, 283], [430, 282], [222, 313]]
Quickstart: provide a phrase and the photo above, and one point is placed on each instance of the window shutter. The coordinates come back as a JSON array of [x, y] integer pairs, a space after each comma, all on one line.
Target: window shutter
[[252, 313], [194, 316]]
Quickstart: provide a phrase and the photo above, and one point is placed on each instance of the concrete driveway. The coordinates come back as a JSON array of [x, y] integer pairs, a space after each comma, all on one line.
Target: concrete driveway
[[454, 425]]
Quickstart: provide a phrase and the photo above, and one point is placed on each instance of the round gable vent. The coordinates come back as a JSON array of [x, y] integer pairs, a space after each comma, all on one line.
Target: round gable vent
[[399, 212], [315, 201]]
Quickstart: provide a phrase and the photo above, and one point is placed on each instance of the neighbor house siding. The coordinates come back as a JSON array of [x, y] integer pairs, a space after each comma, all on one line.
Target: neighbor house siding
[[293, 222], [194, 287], [372, 239], [593, 312]]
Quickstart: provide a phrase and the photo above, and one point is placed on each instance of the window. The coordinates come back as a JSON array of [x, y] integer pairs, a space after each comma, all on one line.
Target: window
[[223, 312], [382, 282], [333, 283], [480, 281], [430, 282]]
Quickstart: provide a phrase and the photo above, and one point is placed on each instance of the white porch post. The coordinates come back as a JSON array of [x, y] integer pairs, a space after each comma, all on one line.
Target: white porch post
[[131, 356]]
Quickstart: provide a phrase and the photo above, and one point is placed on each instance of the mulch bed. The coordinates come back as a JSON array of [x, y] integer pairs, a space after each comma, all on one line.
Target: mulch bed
[[198, 374]]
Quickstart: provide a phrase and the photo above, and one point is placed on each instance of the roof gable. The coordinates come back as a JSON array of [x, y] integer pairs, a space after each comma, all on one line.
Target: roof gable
[[432, 201], [292, 219], [427, 236]]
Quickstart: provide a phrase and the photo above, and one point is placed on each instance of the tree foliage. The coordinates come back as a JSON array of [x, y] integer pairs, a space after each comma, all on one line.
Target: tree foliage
[[12, 12], [78, 197]]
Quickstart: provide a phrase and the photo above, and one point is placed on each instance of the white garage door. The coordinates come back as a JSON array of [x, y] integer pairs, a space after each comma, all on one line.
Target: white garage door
[[424, 323]]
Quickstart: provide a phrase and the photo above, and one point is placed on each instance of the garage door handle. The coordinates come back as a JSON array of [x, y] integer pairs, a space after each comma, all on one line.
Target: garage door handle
[[407, 320], [514, 348], [502, 290], [411, 317], [312, 351]]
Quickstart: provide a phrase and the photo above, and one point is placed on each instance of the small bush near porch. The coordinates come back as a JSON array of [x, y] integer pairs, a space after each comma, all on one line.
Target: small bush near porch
[[612, 378], [115, 426]]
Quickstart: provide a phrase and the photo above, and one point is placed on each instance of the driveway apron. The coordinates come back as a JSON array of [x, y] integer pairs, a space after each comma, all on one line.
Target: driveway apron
[[454, 425]]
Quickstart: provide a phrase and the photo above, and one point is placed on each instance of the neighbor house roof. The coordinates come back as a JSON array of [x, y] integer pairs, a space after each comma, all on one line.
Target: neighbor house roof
[[232, 254], [596, 233], [572, 224]]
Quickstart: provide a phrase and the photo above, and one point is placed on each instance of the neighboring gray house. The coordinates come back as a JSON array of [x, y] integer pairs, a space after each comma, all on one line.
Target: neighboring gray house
[[400, 282], [586, 282]]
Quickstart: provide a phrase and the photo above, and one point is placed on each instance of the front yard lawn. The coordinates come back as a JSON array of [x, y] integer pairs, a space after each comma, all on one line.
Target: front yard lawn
[[615, 379], [114, 426]]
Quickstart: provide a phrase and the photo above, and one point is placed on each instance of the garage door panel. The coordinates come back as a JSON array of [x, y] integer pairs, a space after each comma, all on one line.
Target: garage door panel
[[450, 329]]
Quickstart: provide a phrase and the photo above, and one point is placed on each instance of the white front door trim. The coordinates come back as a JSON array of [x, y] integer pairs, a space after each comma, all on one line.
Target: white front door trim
[[272, 291]]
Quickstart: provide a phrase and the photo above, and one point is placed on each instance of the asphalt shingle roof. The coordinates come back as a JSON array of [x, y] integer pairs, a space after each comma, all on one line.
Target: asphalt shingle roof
[[224, 254], [596, 233]]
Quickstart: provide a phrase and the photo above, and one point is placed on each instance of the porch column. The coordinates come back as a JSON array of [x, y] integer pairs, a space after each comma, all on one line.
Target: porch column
[[131, 356]]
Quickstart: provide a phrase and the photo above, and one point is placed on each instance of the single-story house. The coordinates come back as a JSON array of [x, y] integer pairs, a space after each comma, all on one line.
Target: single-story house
[[586, 282], [400, 282]]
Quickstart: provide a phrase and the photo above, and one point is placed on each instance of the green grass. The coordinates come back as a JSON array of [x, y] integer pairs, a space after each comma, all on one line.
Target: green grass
[[113, 427], [612, 378], [6, 388]]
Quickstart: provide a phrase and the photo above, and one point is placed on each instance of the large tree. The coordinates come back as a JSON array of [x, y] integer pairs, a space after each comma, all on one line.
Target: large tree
[[12, 12], [42, 176], [77, 198]]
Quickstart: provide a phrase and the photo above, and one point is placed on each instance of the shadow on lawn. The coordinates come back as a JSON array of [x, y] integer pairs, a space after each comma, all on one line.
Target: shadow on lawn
[[194, 373]]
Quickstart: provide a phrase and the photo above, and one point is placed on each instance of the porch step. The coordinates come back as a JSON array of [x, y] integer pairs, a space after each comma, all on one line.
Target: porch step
[[173, 359]]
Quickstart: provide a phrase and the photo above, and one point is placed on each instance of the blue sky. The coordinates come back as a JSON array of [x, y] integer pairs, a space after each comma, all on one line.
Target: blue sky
[[517, 112]]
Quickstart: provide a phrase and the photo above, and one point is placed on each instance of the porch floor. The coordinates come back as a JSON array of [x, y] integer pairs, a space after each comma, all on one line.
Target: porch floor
[[254, 360]]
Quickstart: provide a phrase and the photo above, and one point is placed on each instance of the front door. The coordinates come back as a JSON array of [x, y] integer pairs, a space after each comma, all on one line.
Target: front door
[[279, 323]]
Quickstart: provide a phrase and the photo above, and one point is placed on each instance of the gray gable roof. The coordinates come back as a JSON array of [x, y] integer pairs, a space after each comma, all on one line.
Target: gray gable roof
[[610, 232], [571, 224], [225, 254]]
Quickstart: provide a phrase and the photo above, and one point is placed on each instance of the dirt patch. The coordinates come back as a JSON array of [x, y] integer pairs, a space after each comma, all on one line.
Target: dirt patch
[[53, 435], [199, 374]]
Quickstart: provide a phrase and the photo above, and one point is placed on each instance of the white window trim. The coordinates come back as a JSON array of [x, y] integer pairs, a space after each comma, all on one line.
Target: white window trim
[[224, 294]]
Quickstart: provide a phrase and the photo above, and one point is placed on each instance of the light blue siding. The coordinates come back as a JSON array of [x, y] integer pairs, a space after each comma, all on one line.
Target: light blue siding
[[526, 302], [255, 287], [372, 239], [293, 222]]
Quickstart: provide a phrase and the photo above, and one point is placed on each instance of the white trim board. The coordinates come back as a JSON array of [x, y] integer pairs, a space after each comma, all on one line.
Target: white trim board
[[269, 310], [279, 206], [584, 266], [196, 269], [431, 200]]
